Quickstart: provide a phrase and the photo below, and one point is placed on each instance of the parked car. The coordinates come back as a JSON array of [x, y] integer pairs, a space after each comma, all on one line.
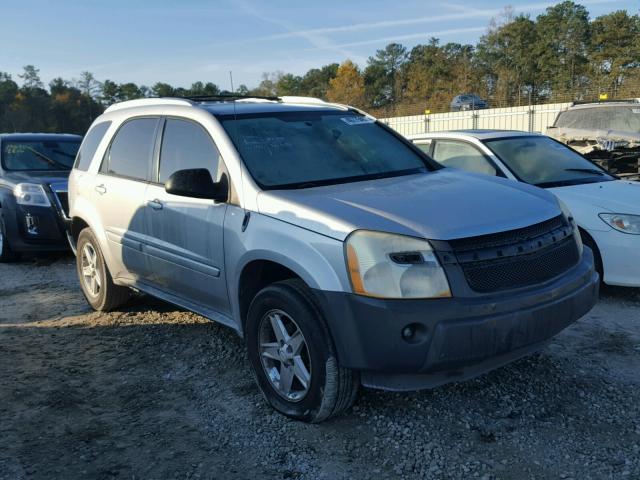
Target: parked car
[[468, 101], [607, 133], [606, 209], [33, 192], [339, 251]]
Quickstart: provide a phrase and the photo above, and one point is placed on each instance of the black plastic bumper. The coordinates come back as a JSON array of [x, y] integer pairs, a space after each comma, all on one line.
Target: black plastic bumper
[[31, 228], [455, 338]]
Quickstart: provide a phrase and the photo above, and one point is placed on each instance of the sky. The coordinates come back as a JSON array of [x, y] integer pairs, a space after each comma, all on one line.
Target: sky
[[180, 42]]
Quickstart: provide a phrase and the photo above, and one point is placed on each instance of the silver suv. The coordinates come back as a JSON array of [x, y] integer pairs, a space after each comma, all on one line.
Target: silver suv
[[338, 250]]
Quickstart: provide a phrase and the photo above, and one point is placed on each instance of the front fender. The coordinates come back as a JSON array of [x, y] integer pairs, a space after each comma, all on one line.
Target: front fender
[[318, 260]]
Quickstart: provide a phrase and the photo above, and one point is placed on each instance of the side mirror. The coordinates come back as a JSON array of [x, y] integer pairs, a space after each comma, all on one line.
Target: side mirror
[[197, 183]]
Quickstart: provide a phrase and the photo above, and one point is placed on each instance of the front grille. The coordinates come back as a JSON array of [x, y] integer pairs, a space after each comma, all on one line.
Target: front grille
[[63, 198], [522, 271], [517, 258]]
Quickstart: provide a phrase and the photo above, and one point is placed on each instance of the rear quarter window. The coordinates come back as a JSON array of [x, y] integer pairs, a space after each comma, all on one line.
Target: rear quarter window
[[90, 145]]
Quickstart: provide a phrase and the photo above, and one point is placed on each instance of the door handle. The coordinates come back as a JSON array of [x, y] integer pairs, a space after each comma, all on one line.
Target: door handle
[[155, 204], [101, 189]]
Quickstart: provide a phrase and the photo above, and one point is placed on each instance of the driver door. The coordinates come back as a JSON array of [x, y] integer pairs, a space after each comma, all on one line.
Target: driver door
[[185, 247]]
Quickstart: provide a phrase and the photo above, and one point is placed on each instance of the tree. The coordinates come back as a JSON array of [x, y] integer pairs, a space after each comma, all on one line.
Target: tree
[[289, 84], [380, 76], [110, 93], [315, 82], [88, 85], [563, 33], [505, 54], [347, 86], [615, 48], [161, 89], [31, 77]]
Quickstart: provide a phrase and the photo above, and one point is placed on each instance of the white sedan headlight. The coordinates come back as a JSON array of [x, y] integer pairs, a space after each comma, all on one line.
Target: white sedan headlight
[[31, 194], [622, 222], [386, 265]]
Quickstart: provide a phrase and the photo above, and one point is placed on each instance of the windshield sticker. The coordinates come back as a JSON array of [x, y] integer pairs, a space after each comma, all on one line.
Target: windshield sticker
[[353, 120]]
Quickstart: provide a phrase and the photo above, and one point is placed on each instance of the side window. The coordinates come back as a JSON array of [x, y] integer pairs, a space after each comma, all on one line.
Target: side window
[[185, 145], [424, 145], [89, 145], [130, 152], [451, 153]]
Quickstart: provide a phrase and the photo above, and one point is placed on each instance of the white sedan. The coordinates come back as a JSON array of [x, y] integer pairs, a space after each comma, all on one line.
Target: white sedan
[[606, 209]]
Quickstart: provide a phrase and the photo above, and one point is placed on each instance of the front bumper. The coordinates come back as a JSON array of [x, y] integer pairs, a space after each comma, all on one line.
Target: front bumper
[[620, 254], [32, 228], [455, 338]]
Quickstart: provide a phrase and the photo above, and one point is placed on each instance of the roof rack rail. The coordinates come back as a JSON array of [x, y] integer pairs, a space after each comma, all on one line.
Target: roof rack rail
[[228, 96], [148, 102]]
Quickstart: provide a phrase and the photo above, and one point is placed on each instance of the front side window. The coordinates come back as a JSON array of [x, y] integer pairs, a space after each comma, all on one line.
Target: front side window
[[544, 162], [455, 154], [90, 145], [47, 155], [130, 152], [307, 148], [186, 145]]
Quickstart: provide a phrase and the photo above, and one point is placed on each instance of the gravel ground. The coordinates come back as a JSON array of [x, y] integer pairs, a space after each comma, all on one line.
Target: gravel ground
[[155, 392]]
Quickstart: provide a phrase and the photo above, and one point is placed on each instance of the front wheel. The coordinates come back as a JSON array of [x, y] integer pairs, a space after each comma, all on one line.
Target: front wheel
[[292, 355], [95, 279], [6, 254]]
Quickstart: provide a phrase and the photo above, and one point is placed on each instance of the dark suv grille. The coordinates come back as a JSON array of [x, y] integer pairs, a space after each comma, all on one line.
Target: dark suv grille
[[517, 258], [63, 198]]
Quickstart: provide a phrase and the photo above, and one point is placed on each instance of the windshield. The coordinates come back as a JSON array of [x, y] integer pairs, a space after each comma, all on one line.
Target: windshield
[[622, 118], [544, 162], [306, 149], [39, 155]]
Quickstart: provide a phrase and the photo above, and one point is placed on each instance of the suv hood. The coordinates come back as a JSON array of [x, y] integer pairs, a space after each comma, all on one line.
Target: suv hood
[[441, 205], [617, 196]]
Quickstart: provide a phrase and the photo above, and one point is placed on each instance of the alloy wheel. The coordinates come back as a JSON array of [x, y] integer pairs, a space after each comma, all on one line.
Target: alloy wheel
[[90, 271], [284, 355]]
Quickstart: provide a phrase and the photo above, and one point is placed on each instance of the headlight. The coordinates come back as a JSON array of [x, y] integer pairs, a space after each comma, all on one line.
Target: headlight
[[569, 216], [622, 222], [394, 266], [31, 194]]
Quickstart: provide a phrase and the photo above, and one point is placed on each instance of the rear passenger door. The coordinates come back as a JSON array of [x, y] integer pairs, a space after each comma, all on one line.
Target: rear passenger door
[[462, 155], [119, 195], [185, 234]]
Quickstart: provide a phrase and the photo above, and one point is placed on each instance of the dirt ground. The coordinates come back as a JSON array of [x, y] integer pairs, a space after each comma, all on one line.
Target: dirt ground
[[153, 392]]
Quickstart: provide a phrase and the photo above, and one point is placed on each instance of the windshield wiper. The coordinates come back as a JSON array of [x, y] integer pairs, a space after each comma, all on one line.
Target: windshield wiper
[[51, 161], [585, 170]]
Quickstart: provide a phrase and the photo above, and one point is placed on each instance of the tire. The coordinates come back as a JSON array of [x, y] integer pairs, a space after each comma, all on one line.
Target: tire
[[95, 280], [597, 258], [330, 389], [6, 254]]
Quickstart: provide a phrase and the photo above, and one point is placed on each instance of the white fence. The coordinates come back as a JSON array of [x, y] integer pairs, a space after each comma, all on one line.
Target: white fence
[[530, 118]]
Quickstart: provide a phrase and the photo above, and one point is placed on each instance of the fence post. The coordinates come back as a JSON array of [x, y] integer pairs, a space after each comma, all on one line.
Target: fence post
[[474, 120], [531, 114], [426, 124]]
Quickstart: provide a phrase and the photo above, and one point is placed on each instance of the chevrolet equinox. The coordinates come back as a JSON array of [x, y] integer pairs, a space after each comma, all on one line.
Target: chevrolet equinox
[[339, 251]]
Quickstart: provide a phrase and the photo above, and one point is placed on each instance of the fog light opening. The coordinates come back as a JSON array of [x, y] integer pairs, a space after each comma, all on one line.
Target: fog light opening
[[31, 223]]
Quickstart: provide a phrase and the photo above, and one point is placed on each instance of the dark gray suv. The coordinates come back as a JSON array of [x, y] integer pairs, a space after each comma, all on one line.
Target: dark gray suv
[[33, 191]]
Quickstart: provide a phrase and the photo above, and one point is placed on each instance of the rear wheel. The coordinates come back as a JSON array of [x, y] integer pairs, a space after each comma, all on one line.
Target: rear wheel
[[6, 254], [292, 356], [95, 279]]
